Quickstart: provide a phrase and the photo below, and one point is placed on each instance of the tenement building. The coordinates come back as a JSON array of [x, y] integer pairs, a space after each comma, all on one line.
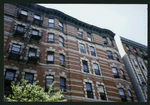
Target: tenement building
[[47, 45], [136, 63]]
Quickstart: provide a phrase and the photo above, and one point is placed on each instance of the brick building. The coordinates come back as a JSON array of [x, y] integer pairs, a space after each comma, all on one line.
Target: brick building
[[136, 63], [47, 45]]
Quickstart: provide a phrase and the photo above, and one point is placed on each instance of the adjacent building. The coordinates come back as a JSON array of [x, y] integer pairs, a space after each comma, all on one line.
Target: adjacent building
[[136, 63], [47, 45]]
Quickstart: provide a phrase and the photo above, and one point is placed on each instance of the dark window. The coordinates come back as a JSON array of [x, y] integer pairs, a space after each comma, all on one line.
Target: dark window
[[80, 34], [63, 84], [102, 92], [85, 66], [29, 77], [89, 37], [49, 81], [82, 48], [141, 78], [117, 57], [23, 15], [37, 19], [115, 72], [112, 42], [61, 41], [105, 40], [135, 64], [109, 54], [50, 37], [123, 75], [135, 51], [89, 90], [32, 52], [122, 95], [60, 26], [51, 22], [96, 68], [50, 57], [130, 95], [92, 51], [15, 49], [127, 47], [141, 52], [142, 65], [20, 28]]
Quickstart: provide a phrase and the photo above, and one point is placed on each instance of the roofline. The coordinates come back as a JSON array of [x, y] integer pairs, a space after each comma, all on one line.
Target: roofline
[[66, 18], [134, 44]]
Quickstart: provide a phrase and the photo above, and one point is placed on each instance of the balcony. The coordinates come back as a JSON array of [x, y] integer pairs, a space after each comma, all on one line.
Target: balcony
[[36, 37], [37, 22], [18, 34]]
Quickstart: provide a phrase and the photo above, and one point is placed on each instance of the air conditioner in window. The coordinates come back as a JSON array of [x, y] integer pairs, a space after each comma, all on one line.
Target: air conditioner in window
[[62, 63]]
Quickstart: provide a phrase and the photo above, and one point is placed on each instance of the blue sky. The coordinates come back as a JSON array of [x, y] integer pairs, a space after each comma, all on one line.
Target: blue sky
[[126, 20]]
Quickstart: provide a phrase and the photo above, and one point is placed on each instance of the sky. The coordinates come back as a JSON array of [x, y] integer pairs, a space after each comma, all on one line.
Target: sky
[[126, 20]]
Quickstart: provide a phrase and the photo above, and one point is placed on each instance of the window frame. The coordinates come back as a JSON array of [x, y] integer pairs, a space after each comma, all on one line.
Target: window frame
[[63, 56], [61, 43], [85, 63], [64, 85], [10, 70], [125, 98], [23, 13], [15, 52], [80, 34], [105, 41], [116, 75], [117, 57], [48, 39], [110, 57], [102, 93], [93, 53], [82, 50], [130, 95], [89, 92], [34, 50], [98, 70], [50, 53], [60, 27], [89, 34], [46, 87], [20, 26], [34, 30], [35, 17], [123, 75], [51, 23], [29, 74]]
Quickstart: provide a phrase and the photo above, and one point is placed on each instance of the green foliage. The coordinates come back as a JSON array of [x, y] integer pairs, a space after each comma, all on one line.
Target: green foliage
[[27, 92]]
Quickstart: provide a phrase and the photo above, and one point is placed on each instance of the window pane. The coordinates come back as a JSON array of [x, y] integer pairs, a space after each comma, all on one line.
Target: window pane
[[9, 75], [88, 87], [51, 20], [50, 57], [92, 49], [49, 80], [24, 12], [60, 24], [141, 78], [61, 57], [122, 72], [129, 93], [32, 52], [16, 48], [20, 28], [50, 37], [29, 77], [96, 66], [101, 88], [114, 70], [35, 32], [121, 92], [37, 17]]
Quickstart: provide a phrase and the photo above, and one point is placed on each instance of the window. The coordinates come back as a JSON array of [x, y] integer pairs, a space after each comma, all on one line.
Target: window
[[50, 57], [60, 26], [115, 72], [50, 37], [62, 60], [89, 90], [61, 41], [15, 49], [37, 17], [105, 40], [135, 51], [51, 22], [142, 65], [9, 77], [127, 47], [111, 42], [29, 77], [32, 52], [122, 95], [135, 64], [35, 32], [63, 84], [141, 53], [24, 12], [109, 54], [85, 66], [49, 80], [141, 79], [20, 28], [82, 48], [130, 95], [123, 75], [80, 34], [92, 51], [117, 57], [96, 68], [89, 37], [102, 92]]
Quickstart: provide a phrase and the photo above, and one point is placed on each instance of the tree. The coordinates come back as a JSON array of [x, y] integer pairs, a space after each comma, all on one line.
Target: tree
[[27, 92]]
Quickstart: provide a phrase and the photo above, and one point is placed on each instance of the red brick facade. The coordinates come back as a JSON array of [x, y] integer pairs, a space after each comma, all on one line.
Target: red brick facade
[[73, 71]]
